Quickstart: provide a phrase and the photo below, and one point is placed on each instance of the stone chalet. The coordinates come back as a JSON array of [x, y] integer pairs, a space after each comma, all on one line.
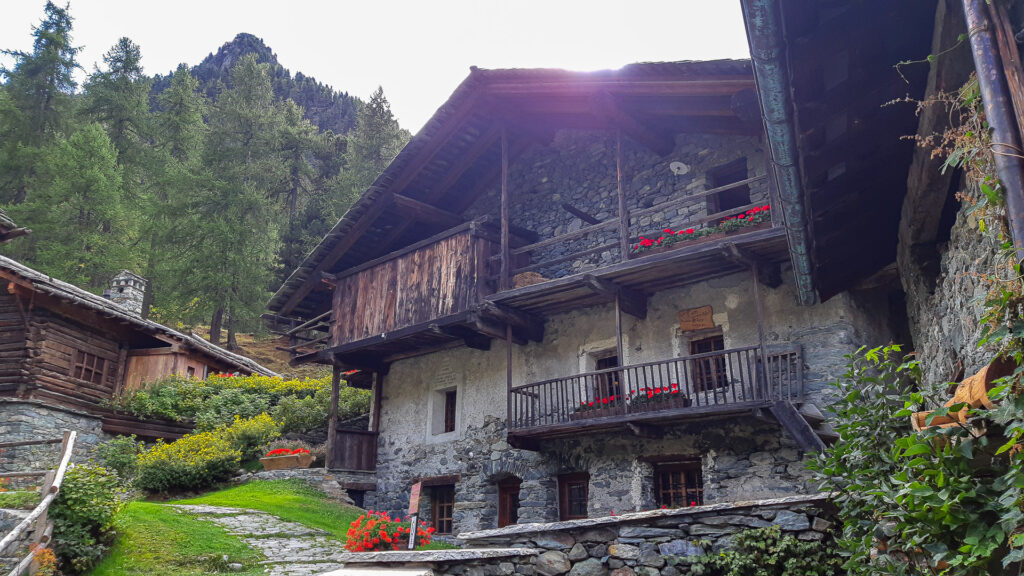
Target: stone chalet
[[64, 352], [531, 359]]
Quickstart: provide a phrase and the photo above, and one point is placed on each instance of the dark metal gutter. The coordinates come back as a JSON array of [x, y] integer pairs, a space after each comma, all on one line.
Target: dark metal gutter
[[999, 112], [767, 51]]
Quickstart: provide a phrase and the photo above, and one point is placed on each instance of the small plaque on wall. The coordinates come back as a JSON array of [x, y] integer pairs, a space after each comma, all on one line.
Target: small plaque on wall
[[696, 319]]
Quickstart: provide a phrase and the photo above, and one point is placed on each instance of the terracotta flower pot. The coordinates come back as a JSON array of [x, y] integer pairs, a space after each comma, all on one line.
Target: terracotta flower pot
[[286, 462]]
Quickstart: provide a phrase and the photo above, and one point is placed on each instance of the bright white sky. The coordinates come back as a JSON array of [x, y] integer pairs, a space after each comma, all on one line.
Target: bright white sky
[[418, 50]]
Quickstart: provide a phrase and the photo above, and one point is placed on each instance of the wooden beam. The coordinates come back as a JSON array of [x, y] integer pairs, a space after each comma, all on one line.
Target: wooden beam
[[471, 338], [769, 274], [580, 214], [693, 87], [797, 426], [464, 201], [421, 211], [493, 329], [632, 302], [532, 326], [504, 281], [642, 430], [605, 105]]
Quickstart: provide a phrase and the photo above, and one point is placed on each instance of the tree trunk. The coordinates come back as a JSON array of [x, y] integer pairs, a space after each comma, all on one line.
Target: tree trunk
[[232, 343], [215, 323]]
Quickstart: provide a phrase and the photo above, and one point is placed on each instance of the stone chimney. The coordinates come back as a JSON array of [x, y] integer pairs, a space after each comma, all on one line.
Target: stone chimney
[[128, 290]]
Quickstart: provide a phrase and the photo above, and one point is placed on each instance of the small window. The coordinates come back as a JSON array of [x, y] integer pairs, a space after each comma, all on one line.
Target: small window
[[449, 411], [191, 371], [442, 505], [735, 171], [607, 384], [508, 501], [709, 372], [678, 484], [573, 495], [89, 367]]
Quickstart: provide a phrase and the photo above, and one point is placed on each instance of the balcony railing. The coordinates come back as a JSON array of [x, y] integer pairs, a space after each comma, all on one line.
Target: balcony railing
[[715, 382]]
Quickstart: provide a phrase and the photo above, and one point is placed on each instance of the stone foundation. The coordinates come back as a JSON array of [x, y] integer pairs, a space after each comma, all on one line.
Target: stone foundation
[[33, 420], [627, 545]]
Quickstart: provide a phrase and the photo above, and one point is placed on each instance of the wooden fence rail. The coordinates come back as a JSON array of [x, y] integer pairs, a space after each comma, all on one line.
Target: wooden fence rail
[[38, 518]]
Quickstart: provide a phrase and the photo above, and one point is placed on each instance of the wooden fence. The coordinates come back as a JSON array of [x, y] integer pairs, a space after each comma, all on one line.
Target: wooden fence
[[42, 528]]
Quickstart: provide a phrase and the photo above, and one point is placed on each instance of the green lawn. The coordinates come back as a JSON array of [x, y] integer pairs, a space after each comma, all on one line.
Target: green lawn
[[291, 500], [155, 540]]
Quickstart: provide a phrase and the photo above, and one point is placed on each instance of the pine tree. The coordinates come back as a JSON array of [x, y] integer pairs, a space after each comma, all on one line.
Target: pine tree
[[82, 233], [118, 98], [374, 143], [37, 103]]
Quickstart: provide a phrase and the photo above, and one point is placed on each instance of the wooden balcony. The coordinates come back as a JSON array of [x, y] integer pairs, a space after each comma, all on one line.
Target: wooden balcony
[[641, 397]]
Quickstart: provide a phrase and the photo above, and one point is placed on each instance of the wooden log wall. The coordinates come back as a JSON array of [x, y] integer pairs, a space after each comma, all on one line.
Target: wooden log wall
[[435, 281], [53, 343], [13, 373]]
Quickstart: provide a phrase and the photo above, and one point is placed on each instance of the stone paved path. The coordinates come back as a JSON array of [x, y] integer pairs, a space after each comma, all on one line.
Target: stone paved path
[[291, 549]]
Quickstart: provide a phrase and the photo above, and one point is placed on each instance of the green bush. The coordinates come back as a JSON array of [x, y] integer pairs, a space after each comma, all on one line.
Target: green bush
[[249, 435], [765, 552], [222, 408], [194, 461], [120, 454], [83, 516]]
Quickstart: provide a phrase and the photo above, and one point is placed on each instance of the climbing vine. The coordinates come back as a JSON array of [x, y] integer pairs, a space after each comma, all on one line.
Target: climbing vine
[[944, 500]]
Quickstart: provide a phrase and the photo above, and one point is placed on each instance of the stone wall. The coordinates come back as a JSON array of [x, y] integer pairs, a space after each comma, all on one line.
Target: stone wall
[[741, 457], [342, 485], [578, 168], [33, 420], [653, 543], [945, 305]]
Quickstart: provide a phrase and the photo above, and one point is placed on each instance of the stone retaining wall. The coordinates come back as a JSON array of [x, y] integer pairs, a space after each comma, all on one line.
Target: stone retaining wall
[[636, 544], [341, 485], [33, 420]]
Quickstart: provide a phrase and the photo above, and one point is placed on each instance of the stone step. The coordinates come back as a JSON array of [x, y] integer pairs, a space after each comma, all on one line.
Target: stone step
[[362, 571]]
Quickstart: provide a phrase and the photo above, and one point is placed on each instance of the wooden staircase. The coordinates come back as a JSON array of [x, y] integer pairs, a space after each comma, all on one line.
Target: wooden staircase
[[805, 424]]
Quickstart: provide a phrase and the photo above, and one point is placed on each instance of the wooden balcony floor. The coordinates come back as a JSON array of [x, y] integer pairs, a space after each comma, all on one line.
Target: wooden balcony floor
[[650, 273], [621, 422]]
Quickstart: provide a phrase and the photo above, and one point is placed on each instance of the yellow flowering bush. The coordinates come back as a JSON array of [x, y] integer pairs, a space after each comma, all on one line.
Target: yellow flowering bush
[[249, 435], [193, 461]]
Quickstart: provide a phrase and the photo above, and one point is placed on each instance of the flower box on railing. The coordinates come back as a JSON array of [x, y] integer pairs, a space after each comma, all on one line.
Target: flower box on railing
[[756, 218], [644, 400]]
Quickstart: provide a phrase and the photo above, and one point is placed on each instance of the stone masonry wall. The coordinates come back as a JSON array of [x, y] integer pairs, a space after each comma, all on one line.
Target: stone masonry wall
[[945, 309], [741, 458], [32, 420], [578, 168], [653, 543]]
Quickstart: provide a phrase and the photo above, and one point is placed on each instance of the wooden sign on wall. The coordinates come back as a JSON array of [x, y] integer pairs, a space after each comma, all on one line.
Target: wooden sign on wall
[[696, 319]]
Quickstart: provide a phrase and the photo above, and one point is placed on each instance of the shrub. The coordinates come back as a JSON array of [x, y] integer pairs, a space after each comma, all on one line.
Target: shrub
[[83, 516], [765, 552], [194, 461], [120, 454], [249, 435], [301, 414], [222, 408], [378, 531]]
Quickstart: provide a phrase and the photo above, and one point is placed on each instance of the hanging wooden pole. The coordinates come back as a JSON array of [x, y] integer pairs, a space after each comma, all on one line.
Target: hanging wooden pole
[[378, 388], [623, 211], [504, 282], [332, 422], [618, 332]]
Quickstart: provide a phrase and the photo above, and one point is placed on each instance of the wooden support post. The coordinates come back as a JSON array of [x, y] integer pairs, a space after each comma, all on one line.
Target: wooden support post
[[378, 389], [508, 375], [332, 422], [618, 331], [760, 327], [623, 211], [506, 263]]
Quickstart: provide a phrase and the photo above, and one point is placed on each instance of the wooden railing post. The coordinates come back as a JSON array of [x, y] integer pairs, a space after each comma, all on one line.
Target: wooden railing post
[[332, 422]]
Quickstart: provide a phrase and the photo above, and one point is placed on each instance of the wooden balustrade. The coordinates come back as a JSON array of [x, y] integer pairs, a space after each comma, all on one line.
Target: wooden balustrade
[[698, 385], [353, 450]]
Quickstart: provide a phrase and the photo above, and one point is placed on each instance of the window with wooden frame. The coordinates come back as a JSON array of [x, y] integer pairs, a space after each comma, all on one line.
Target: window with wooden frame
[[449, 411], [735, 171], [678, 484], [573, 495], [607, 384], [442, 506], [709, 373], [508, 501], [89, 367]]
